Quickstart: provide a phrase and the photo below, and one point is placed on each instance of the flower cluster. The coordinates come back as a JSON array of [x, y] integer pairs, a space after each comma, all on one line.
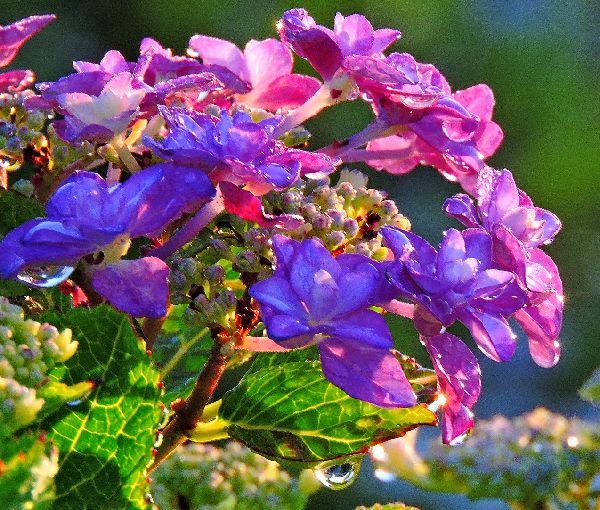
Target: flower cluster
[[204, 476], [189, 180], [537, 459], [28, 350]]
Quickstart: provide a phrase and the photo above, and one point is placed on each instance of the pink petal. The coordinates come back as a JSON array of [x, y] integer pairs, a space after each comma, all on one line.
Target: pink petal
[[247, 206], [267, 60], [14, 36], [219, 52], [288, 91]]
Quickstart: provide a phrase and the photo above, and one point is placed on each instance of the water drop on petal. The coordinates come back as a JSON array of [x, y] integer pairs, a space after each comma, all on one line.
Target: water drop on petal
[[338, 476], [45, 276], [417, 101]]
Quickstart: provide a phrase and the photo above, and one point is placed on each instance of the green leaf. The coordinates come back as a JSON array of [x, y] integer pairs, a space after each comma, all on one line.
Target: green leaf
[[17, 209], [292, 414], [181, 351], [591, 389], [106, 440], [27, 468], [57, 394], [271, 359]]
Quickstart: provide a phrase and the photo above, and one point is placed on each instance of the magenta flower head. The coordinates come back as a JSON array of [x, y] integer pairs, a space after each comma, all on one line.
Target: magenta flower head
[[327, 49], [96, 105], [518, 229], [173, 80], [314, 298], [12, 38], [456, 283], [87, 218], [453, 133], [459, 381], [266, 66], [239, 155]]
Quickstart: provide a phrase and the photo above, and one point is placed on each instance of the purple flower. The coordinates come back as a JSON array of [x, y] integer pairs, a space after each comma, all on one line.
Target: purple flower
[[456, 283], [101, 100], [237, 153], [173, 80], [265, 65], [97, 105], [314, 298], [459, 381], [87, 217], [453, 133], [327, 49], [14, 36], [518, 228]]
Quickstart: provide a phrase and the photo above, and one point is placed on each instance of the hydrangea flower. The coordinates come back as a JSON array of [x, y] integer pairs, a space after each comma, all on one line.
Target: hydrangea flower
[[456, 283], [327, 49], [453, 133], [240, 156], [314, 298], [518, 229], [86, 216], [12, 38], [265, 65], [101, 100], [173, 80], [459, 381]]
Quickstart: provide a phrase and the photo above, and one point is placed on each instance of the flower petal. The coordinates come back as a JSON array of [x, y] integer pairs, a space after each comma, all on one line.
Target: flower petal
[[366, 373], [15, 35], [137, 287], [491, 332]]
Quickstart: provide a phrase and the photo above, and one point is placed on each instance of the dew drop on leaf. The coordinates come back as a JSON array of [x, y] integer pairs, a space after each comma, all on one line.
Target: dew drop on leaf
[[338, 476], [45, 276]]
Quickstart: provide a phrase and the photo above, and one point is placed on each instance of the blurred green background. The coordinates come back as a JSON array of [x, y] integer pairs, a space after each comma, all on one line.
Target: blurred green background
[[541, 60]]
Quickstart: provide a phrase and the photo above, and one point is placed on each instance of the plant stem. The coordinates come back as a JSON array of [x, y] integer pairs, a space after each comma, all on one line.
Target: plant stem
[[377, 129], [190, 412], [124, 155], [195, 224], [152, 327], [320, 100]]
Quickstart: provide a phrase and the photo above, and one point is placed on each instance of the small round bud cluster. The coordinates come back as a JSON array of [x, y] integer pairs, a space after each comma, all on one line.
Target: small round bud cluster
[[207, 477], [346, 217], [535, 458], [28, 350], [200, 282]]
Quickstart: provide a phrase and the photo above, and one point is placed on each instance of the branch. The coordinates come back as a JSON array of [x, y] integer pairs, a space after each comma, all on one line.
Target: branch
[[190, 411]]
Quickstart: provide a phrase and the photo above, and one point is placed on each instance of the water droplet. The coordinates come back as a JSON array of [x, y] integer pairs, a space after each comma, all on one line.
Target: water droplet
[[338, 476], [459, 130], [74, 403], [45, 276], [419, 101]]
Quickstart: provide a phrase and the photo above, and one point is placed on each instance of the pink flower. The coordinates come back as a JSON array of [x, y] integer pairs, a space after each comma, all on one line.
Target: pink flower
[[265, 65]]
